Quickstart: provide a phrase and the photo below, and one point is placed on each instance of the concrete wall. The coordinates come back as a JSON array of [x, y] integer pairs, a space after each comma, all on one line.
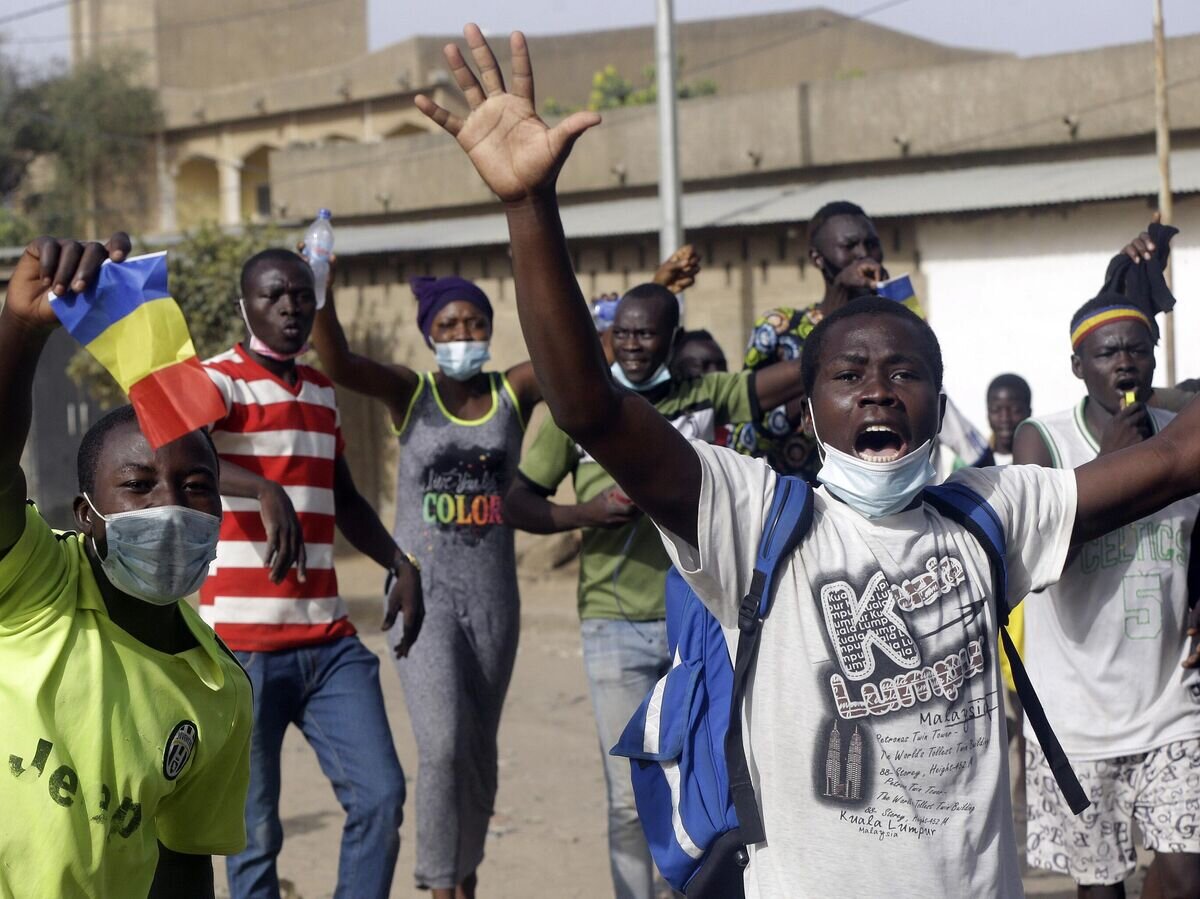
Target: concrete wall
[[720, 138], [199, 46], [1002, 104], [376, 75], [739, 54], [94, 23], [898, 121]]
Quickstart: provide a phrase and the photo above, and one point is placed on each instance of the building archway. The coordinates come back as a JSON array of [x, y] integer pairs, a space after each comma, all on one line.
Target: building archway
[[405, 129], [256, 185], [197, 192]]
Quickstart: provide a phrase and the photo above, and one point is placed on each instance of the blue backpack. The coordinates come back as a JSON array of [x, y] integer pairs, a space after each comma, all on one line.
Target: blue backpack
[[691, 779]]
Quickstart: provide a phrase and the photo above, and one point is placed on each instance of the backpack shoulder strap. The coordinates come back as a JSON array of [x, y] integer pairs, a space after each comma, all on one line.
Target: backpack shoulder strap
[[966, 507], [963, 505], [787, 521]]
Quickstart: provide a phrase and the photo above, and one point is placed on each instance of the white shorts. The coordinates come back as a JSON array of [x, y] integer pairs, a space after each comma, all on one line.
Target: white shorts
[[1159, 790]]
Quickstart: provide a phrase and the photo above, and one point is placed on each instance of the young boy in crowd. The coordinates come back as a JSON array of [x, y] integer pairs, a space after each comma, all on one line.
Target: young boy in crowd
[[623, 568], [697, 354], [286, 485], [125, 723], [1105, 645], [862, 652], [1009, 402]]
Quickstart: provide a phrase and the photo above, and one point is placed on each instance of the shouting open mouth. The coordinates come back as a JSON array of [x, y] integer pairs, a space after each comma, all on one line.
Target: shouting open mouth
[[880, 443]]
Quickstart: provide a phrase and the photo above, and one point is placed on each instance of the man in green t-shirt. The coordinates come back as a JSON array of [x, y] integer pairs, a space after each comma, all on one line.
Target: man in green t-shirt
[[623, 566]]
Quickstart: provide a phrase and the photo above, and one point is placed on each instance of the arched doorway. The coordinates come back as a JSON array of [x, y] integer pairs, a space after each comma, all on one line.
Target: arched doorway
[[196, 192], [256, 185], [406, 129]]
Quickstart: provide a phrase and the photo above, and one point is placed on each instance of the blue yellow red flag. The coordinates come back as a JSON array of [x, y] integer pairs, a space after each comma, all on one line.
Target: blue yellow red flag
[[133, 327], [901, 290]]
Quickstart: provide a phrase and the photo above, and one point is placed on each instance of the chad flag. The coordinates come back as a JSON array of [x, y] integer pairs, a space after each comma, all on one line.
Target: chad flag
[[133, 327]]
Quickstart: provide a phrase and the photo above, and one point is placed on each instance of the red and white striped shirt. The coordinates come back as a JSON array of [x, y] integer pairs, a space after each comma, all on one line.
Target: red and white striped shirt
[[290, 434]]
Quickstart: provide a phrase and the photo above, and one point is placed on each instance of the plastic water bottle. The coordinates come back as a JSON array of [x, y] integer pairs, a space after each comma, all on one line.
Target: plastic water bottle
[[318, 247]]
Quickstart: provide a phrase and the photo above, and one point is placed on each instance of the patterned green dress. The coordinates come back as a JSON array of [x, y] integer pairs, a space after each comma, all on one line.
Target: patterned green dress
[[778, 335]]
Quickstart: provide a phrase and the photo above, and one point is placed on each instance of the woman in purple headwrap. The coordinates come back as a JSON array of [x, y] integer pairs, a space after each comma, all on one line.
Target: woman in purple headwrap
[[460, 431]]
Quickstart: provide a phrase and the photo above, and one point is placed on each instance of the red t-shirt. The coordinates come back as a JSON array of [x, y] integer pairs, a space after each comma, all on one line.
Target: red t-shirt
[[290, 434]]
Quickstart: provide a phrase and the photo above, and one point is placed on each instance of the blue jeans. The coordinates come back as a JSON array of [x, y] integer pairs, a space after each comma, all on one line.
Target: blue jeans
[[624, 660], [331, 692]]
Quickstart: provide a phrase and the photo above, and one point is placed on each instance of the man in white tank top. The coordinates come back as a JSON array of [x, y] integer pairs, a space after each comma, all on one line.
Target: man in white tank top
[[1106, 646]]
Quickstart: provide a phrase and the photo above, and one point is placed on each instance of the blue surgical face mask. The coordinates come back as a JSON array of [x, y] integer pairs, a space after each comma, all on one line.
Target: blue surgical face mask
[[659, 378], [875, 489], [462, 359], [160, 554]]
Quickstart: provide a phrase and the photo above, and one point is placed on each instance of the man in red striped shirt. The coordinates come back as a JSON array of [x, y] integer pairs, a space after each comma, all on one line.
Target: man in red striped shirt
[[272, 594]]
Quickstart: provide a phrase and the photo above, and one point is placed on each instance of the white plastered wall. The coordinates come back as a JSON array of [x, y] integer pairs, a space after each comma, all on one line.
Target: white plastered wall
[[1002, 287]]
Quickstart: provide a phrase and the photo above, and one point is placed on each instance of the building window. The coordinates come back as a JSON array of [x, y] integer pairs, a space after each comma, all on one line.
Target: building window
[[262, 200]]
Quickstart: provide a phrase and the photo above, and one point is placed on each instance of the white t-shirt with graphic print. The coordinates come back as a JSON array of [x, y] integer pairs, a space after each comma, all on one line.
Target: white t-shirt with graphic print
[[874, 722]]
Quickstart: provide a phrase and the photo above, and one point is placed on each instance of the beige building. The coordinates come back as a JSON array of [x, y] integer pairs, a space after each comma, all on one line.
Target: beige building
[[231, 99], [1001, 184]]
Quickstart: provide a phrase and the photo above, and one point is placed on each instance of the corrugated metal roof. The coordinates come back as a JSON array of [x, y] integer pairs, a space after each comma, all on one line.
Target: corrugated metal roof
[[923, 193]]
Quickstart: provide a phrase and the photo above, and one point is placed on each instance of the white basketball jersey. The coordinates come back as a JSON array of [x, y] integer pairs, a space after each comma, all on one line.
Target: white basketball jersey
[[1104, 645]]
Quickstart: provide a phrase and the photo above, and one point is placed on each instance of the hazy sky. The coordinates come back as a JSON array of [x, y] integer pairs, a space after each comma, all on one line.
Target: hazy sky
[[1027, 27]]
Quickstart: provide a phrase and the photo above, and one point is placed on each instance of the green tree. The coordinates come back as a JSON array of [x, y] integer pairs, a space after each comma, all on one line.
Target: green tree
[[15, 230], [203, 272], [612, 90], [23, 131], [98, 125]]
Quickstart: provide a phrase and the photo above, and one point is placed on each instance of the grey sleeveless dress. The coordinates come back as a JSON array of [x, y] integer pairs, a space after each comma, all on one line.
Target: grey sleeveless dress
[[451, 479]]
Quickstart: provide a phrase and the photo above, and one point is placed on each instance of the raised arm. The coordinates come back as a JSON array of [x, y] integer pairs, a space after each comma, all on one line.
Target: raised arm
[[1120, 487], [778, 384], [25, 325], [525, 384], [519, 158], [393, 384]]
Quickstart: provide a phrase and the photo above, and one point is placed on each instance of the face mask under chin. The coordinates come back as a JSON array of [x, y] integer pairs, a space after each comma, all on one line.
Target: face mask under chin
[[874, 489], [260, 346], [661, 376]]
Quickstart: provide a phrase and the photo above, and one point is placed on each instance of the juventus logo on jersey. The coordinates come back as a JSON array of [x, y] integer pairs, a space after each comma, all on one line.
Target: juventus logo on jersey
[[180, 746]]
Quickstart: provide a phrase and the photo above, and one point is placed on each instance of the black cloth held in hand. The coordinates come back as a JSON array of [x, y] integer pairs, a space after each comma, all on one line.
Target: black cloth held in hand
[[1144, 284]]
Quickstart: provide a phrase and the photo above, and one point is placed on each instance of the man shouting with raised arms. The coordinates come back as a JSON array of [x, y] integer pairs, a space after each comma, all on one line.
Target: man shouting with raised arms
[[873, 724]]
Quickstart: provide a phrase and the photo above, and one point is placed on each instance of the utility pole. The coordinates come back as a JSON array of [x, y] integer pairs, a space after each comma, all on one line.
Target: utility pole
[[670, 234], [1162, 127]]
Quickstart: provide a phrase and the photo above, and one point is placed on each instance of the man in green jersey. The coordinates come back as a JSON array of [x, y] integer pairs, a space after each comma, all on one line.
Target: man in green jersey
[[125, 722], [623, 566]]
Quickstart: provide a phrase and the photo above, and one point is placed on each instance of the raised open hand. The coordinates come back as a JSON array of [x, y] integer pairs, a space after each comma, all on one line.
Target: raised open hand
[[516, 153]]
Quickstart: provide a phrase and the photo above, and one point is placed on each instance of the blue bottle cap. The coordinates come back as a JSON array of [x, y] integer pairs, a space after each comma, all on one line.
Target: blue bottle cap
[[324, 214]]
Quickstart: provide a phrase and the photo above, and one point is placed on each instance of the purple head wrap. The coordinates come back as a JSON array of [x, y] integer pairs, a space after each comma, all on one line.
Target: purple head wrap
[[435, 294]]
